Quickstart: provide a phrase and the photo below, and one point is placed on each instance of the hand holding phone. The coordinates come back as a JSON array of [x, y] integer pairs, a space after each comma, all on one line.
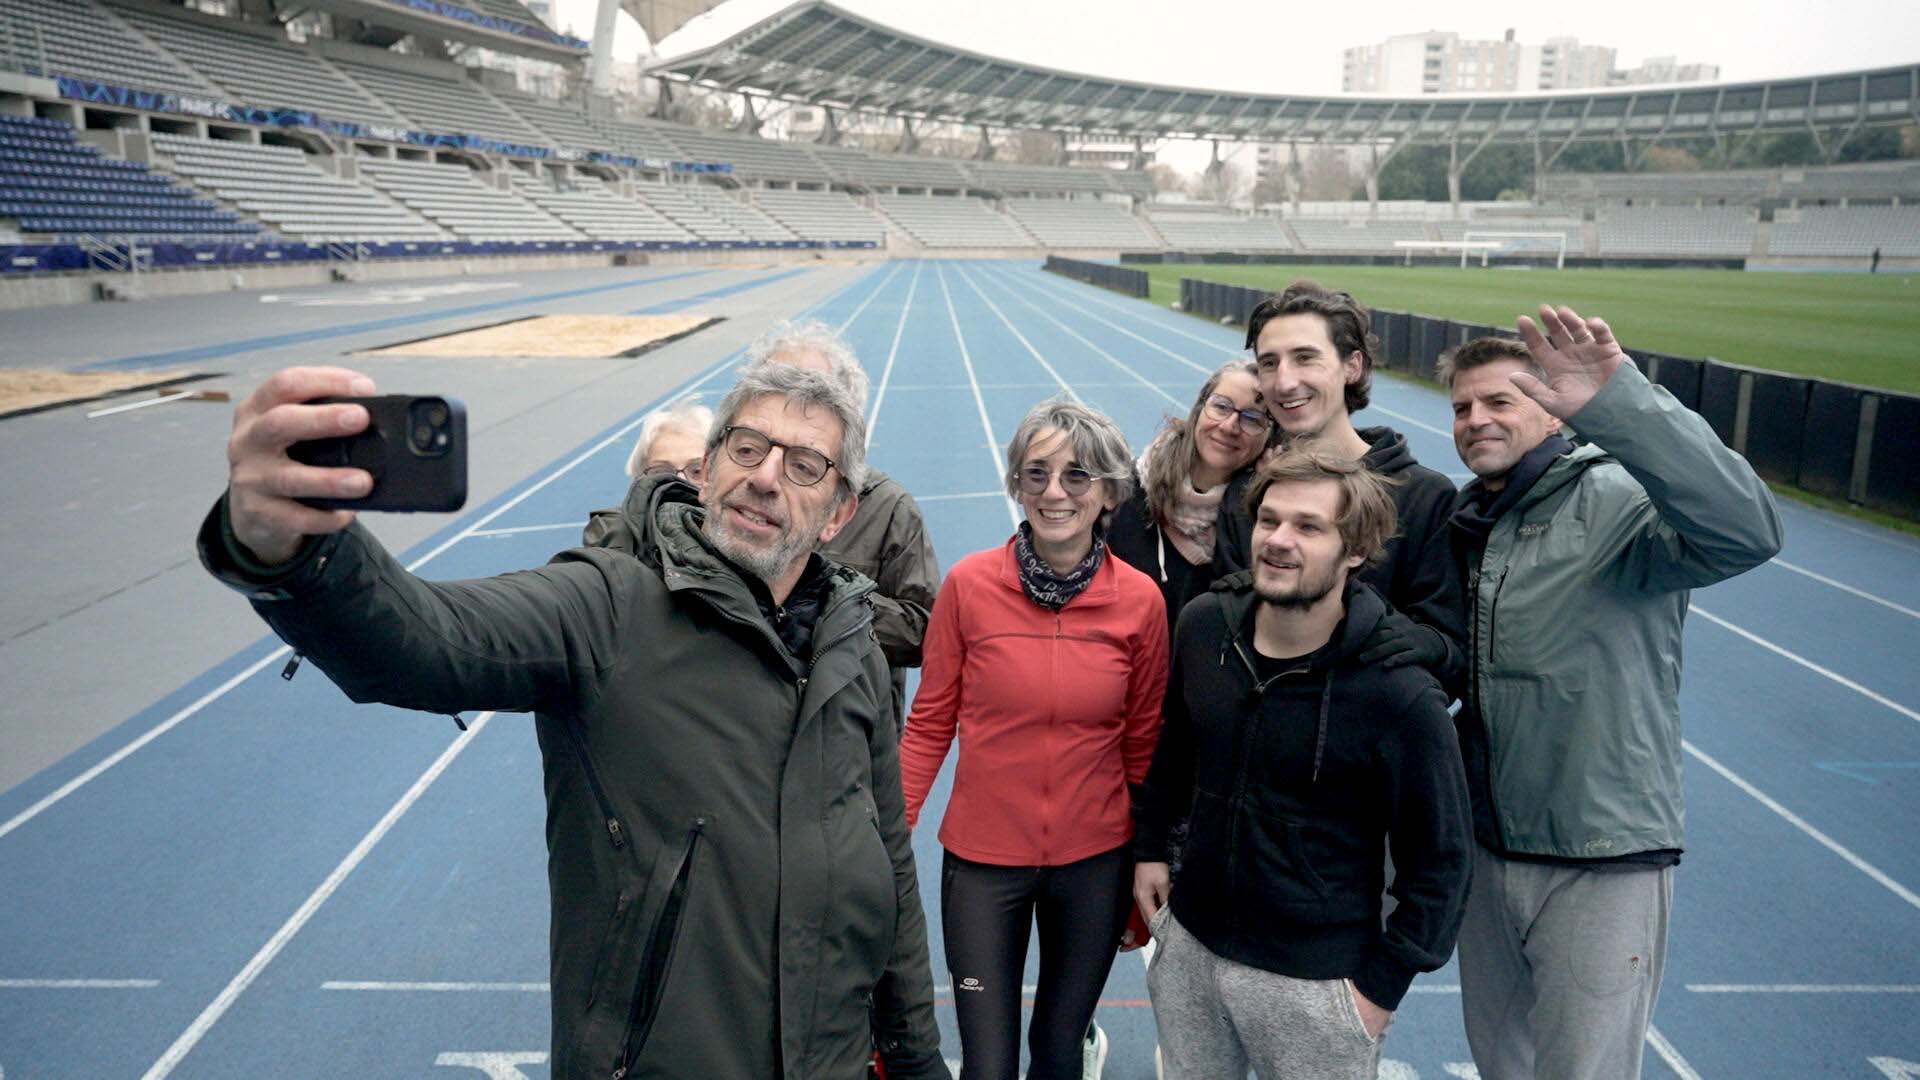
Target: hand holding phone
[[266, 486], [415, 448]]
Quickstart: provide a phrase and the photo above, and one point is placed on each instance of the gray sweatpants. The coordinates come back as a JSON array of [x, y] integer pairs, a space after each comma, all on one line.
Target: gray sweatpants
[[1217, 1017], [1559, 967]]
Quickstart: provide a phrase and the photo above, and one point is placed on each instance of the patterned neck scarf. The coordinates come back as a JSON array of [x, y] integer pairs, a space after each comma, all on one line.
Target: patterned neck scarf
[[1042, 583]]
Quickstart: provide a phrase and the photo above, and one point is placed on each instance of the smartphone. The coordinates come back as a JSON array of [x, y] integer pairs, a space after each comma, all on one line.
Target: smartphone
[[415, 447]]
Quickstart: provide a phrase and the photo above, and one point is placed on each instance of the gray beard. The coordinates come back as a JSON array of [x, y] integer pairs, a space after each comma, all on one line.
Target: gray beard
[[764, 563]]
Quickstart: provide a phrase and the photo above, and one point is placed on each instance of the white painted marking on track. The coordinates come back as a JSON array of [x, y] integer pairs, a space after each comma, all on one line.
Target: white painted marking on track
[[892, 272], [1236, 354], [1670, 1054], [497, 1065], [1065, 387], [1800, 823], [962, 495], [1804, 988], [886, 375], [283, 651], [518, 529], [78, 984], [1894, 1068], [1405, 419], [1095, 294], [211, 1015], [443, 987], [973, 380], [1844, 587], [1808, 664], [1104, 354]]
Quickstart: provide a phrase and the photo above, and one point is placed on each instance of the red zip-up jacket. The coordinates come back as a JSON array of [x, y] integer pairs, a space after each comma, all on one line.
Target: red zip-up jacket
[[1057, 712]]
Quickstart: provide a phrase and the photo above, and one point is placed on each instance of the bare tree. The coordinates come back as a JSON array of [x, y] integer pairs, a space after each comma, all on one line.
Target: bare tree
[[1031, 148], [1225, 184], [1326, 175], [1165, 177]]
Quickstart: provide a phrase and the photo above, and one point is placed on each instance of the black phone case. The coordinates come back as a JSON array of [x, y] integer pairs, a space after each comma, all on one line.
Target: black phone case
[[404, 480]]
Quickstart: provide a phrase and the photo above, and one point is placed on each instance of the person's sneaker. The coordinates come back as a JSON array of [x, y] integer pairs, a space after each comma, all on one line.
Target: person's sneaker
[[1093, 1056]]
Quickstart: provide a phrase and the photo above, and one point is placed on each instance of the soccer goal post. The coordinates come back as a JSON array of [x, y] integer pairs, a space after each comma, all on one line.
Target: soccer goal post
[[1518, 243]]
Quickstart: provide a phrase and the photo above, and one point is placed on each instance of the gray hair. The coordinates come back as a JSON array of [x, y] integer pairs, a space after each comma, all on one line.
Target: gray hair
[[692, 418], [807, 389], [813, 336], [1098, 446]]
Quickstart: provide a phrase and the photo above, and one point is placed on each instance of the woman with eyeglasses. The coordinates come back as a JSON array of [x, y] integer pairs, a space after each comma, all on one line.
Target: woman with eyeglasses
[[1166, 529], [672, 441], [1048, 658]]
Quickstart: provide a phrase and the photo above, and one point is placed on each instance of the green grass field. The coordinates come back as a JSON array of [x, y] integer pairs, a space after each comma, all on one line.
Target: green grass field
[[1853, 328]]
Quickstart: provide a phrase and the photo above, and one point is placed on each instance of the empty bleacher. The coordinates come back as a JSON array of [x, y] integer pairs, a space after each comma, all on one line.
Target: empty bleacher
[[561, 123], [1206, 229], [1379, 236], [690, 211], [1710, 231], [1849, 231], [588, 205], [753, 158], [52, 184], [642, 140], [444, 103], [80, 38], [282, 187], [940, 221], [1071, 223], [454, 198], [1041, 179], [859, 168], [256, 68], [749, 221], [822, 215]]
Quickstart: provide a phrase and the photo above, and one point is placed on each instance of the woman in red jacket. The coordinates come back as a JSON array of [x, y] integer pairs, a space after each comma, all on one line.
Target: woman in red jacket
[[1049, 658]]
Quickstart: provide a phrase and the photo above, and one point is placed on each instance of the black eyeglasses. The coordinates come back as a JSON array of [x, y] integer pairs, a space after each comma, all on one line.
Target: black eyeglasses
[[692, 472], [1073, 480], [1252, 421], [801, 465]]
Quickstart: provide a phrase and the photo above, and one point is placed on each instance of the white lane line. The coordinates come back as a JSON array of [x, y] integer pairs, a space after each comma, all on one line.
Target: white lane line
[[518, 529], [283, 651], [443, 987], [947, 388], [1405, 419], [78, 984], [1804, 988], [1238, 355], [1808, 664], [979, 402], [962, 495], [1844, 587], [1800, 823], [886, 376], [211, 1015], [1103, 354], [1041, 360], [892, 272], [1669, 1054], [155, 732], [1095, 294]]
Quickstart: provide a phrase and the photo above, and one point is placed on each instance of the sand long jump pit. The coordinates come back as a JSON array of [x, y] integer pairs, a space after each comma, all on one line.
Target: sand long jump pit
[[554, 337], [30, 390]]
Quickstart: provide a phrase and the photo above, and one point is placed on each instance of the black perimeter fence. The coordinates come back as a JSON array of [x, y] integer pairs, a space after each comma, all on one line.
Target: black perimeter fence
[[1852, 443]]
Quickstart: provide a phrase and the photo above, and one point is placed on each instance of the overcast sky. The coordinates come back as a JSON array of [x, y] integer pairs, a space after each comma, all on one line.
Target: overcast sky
[[1296, 48]]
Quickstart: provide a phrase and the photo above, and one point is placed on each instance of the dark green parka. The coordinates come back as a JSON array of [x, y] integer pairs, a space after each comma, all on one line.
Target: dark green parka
[[732, 881]]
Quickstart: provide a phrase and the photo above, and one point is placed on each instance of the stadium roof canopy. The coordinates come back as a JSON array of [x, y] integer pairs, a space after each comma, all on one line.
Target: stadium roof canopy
[[815, 52], [502, 25]]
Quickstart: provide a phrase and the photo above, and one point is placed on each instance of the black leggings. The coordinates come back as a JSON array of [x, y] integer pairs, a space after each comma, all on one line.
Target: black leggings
[[987, 913]]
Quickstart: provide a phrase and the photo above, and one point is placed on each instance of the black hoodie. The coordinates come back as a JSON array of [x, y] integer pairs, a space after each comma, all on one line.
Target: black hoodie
[[1296, 787], [1415, 574]]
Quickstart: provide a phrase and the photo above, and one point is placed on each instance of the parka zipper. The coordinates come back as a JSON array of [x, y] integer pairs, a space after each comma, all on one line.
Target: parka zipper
[[1476, 666], [616, 832], [658, 958]]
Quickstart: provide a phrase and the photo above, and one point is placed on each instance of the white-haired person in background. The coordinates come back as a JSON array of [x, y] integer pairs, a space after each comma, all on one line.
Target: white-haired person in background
[[673, 441], [886, 540]]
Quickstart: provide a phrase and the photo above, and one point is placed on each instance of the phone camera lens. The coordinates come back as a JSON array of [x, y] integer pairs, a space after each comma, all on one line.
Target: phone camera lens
[[423, 436], [436, 414]]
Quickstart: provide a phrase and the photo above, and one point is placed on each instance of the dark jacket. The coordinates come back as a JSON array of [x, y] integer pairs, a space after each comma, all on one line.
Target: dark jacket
[[732, 883], [886, 541], [1415, 574], [1135, 535], [1297, 787]]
